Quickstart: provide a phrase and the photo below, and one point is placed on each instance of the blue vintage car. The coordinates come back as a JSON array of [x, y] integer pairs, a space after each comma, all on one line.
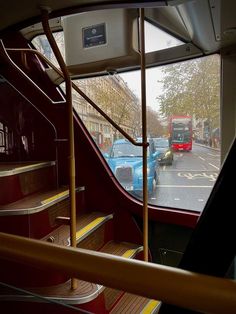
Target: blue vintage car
[[125, 160]]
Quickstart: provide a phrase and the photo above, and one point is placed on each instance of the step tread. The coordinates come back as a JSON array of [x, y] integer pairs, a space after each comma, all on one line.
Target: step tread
[[124, 249], [84, 292], [86, 224], [131, 303], [37, 201], [13, 168]]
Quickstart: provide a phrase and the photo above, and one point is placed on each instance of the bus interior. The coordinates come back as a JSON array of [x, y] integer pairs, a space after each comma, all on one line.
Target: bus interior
[[87, 230]]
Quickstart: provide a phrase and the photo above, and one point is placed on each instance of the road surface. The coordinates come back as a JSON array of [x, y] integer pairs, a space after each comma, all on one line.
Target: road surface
[[188, 182]]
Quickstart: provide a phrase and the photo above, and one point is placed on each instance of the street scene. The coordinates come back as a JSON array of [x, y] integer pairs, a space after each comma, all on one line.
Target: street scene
[[188, 182]]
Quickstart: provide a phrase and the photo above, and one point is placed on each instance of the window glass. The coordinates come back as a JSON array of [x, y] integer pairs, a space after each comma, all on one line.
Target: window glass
[[164, 40], [4, 139], [183, 116], [41, 44], [183, 113]]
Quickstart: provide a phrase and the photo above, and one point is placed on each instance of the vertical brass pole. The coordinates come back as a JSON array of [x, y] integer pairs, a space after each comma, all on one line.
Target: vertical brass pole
[[68, 83], [144, 135]]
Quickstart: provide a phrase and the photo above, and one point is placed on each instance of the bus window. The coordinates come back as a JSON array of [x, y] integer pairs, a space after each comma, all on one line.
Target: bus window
[[184, 99], [182, 109], [183, 106]]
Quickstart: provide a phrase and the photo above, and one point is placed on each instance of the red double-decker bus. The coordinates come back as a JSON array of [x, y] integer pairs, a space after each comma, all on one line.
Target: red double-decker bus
[[180, 129]]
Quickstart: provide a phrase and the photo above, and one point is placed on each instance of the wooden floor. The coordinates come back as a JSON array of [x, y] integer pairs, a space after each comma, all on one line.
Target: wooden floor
[[134, 304]]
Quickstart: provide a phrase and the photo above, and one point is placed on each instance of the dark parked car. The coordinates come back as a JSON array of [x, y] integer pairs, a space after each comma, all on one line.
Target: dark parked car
[[164, 151]]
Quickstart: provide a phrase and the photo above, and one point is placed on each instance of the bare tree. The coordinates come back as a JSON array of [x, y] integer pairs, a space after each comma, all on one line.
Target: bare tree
[[154, 127]]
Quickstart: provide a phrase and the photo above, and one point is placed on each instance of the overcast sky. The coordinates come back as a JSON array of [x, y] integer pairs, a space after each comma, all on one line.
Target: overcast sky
[[153, 88]]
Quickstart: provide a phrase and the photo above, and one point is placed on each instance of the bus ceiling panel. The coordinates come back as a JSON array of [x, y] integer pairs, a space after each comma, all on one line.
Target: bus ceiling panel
[[164, 17], [174, 54], [98, 40], [168, 19], [37, 29], [197, 22], [105, 67], [210, 24], [17, 14], [202, 21], [101, 42], [119, 65], [228, 23]]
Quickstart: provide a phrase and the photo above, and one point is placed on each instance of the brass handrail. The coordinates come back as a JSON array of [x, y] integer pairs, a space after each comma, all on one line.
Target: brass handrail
[[57, 53], [7, 59], [79, 91], [168, 284], [144, 134]]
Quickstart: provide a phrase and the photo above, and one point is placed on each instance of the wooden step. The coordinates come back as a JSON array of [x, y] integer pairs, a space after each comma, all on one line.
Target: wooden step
[[35, 215], [87, 294], [18, 180], [124, 249], [130, 303], [36, 202], [86, 225], [13, 168], [85, 291]]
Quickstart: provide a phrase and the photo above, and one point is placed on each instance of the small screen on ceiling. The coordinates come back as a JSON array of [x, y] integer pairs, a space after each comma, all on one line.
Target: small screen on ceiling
[[94, 35]]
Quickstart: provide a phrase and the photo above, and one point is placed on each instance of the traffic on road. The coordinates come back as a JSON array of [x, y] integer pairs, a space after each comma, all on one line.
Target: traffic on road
[[188, 182]]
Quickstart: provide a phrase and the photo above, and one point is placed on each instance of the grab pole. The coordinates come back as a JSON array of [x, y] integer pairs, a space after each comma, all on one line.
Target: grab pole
[[65, 72], [144, 135]]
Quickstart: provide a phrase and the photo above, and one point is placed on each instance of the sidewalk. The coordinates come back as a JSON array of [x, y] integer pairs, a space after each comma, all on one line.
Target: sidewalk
[[207, 146]]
